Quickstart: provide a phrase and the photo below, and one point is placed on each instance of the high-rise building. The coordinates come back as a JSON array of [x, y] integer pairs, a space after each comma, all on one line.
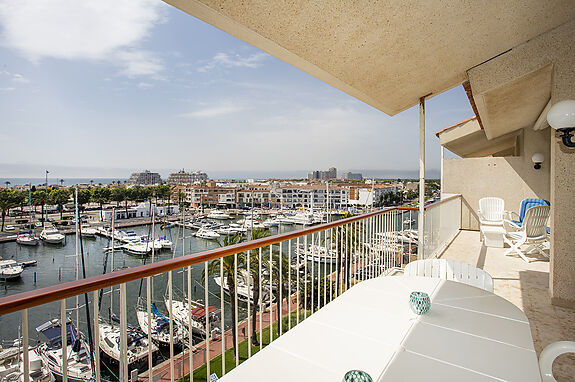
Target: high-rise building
[[329, 174], [145, 178], [199, 176], [180, 177], [353, 176]]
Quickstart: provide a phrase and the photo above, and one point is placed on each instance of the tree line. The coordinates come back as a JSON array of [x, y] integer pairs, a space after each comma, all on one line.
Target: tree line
[[10, 199]]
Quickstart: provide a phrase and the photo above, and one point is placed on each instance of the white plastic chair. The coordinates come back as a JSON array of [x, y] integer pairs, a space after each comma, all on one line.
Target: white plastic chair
[[549, 354], [533, 231], [491, 211], [450, 270]]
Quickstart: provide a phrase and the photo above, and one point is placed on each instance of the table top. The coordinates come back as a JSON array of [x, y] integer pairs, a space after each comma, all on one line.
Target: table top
[[469, 334]]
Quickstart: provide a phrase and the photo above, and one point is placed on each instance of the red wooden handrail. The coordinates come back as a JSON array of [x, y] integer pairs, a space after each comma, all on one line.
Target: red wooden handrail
[[58, 292]]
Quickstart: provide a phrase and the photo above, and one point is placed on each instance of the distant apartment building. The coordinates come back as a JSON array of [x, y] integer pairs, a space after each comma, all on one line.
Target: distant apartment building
[[331, 173], [353, 176], [145, 178], [180, 177], [258, 196], [312, 196], [183, 177], [199, 176], [366, 195]]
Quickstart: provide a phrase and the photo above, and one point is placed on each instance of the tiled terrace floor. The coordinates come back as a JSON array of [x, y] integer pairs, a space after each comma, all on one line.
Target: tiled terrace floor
[[527, 286]]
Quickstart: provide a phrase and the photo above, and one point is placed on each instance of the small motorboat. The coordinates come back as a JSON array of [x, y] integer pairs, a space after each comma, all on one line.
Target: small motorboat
[[206, 233], [52, 236], [27, 239], [10, 270]]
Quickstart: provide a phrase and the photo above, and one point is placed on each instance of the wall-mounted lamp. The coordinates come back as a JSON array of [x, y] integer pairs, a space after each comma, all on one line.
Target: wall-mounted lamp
[[537, 159], [561, 117]]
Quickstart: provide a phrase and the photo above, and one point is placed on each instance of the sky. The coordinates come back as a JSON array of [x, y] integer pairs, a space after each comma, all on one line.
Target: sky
[[104, 88]]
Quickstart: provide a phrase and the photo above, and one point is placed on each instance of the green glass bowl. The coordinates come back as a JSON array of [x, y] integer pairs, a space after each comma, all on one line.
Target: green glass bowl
[[419, 302], [357, 376]]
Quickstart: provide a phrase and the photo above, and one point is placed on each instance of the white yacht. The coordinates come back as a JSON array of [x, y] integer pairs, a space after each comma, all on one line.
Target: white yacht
[[271, 223], [52, 236], [317, 254], [27, 239], [181, 313], [206, 233], [88, 232], [137, 248], [138, 346], [10, 270], [244, 293], [160, 332], [218, 215], [12, 366], [79, 362], [302, 218], [163, 243]]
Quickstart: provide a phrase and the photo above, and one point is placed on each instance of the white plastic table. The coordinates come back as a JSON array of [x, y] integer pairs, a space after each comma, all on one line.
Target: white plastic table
[[469, 334]]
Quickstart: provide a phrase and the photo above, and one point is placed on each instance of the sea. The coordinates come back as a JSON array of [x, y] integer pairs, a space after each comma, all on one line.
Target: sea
[[66, 181]]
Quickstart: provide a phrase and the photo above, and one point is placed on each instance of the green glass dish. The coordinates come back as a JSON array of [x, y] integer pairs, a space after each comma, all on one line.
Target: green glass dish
[[357, 376], [419, 302]]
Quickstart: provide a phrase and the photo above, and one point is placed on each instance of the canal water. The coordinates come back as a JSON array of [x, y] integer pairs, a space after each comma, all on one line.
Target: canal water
[[56, 264]]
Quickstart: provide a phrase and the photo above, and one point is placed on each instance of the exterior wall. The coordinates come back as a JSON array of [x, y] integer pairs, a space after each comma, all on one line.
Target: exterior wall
[[510, 178], [554, 47]]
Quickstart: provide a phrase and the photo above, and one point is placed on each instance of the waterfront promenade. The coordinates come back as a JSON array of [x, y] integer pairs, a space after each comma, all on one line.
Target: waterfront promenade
[[162, 372]]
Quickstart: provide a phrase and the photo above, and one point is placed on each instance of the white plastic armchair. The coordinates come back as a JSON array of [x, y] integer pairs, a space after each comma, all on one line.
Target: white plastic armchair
[[450, 270], [533, 231], [549, 354], [491, 211]]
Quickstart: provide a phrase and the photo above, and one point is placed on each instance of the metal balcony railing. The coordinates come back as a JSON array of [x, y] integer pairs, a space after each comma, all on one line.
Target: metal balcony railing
[[253, 292]]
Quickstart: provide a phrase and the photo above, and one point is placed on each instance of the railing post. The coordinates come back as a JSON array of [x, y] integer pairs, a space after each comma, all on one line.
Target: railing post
[[123, 335], [25, 345], [96, 337], [63, 333], [421, 218]]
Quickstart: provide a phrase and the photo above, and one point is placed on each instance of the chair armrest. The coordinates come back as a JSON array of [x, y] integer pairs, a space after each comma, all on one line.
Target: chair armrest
[[549, 354], [511, 224], [511, 215]]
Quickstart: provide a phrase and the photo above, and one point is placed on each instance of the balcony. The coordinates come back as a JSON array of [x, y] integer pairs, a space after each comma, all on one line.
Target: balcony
[[527, 286]]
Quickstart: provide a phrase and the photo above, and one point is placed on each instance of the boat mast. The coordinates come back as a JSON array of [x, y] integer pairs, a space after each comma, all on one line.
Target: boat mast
[[76, 212]]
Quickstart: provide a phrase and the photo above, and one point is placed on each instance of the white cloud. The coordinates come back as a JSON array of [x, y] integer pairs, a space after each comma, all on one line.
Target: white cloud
[[144, 85], [20, 78], [106, 30], [214, 111], [7, 89], [234, 61]]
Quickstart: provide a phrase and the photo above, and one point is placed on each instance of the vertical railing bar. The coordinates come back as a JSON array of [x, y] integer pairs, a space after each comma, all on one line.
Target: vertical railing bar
[[347, 254], [305, 279], [223, 315], [271, 316], [206, 312], [339, 260], [327, 254], [280, 286], [25, 345], [250, 296], [363, 249], [313, 249], [96, 337], [261, 299], [149, 318], [64, 337], [236, 318], [297, 252], [190, 326], [171, 325], [289, 283], [331, 265], [123, 334]]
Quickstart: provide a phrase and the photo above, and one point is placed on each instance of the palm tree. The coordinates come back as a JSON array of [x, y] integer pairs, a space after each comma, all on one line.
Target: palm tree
[[7, 183], [7, 201], [61, 182], [228, 265], [40, 197], [254, 270], [59, 197], [344, 240]]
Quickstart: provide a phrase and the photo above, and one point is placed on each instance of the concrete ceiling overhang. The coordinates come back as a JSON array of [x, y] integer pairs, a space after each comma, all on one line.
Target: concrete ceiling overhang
[[386, 53], [468, 140], [515, 104]]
